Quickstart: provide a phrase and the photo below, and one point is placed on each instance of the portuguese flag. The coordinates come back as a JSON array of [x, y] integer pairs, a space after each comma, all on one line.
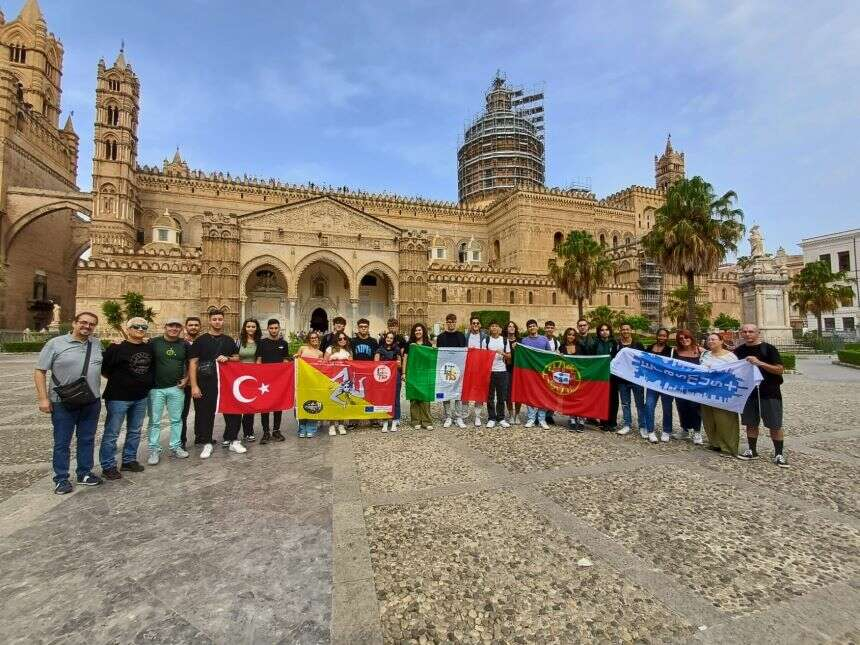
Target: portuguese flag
[[572, 385], [448, 373]]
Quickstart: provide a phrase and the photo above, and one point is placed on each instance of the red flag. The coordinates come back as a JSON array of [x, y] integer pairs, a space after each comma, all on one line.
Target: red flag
[[476, 376], [247, 388]]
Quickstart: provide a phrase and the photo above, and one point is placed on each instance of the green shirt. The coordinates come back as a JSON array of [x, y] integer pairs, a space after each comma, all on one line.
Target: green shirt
[[169, 361], [248, 353]]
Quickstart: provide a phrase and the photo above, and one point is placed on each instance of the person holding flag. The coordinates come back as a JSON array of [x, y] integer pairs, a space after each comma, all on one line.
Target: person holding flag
[[721, 426], [452, 337], [311, 349], [418, 410], [535, 341], [274, 348], [605, 344], [512, 335], [569, 346], [339, 351], [249, 338], [498, 376], [661, 348], [389, 350], [626, 388], [689, 411]]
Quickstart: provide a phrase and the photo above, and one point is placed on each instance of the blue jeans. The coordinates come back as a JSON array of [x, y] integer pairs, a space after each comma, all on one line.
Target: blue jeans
[[535, 414], [81, 423], [132, 412], [651, 409], [174, 399], [624, 391], [308, 427]]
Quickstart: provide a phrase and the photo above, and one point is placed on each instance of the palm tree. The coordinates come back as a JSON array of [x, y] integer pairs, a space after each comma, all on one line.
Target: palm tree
[[677, 311], [811, 291], [693, 233], [581, 267]]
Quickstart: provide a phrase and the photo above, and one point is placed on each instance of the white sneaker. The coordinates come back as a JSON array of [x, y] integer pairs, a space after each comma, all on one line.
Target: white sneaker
[[517, 420], [429, 427], [643, 433], [624, 430], [206, 452], [529, 424], [448, 422], [332, 431], [491, 424], [237, 447], [652, 437], [665, 436], [341, 428], [394, 425], [504, 424], [385, 426], [417, 426], [153, 458], [697, 438], [460, 423], [179, 453], [544, 425], [477, 422]]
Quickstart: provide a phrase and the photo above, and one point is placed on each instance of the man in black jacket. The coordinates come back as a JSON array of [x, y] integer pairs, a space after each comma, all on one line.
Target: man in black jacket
[[451, 337]]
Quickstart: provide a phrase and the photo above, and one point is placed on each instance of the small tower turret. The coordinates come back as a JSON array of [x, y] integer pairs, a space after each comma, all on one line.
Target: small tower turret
[[669, 168]]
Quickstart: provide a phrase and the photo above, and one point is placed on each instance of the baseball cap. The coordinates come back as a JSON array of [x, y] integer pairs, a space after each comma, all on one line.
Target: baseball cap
[[173, 321]]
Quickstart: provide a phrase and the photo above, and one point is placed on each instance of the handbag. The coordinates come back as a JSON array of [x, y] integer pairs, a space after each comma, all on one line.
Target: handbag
[[78, 393]]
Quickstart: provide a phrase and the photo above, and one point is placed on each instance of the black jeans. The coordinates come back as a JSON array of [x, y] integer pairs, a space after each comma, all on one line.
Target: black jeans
[[204, 415], [612, 421], [264, 419], [690, 414], [186, 407], [497, 397], [247, 425]]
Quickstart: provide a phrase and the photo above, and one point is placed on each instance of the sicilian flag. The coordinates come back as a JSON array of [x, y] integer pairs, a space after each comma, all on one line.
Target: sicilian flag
[[248, 388], [572, 385], [448, 373], [344, 390]]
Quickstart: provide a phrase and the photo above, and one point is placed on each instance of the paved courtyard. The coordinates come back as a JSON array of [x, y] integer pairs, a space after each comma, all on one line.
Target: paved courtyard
[[471, 536]]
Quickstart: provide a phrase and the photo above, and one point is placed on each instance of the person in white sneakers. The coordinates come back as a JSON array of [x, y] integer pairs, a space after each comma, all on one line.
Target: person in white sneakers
[[210, 348], [689, 411], [474, 338], [626, 388], [452, 337], [534, 340], [341, 350], [389, 350], [498, 377]]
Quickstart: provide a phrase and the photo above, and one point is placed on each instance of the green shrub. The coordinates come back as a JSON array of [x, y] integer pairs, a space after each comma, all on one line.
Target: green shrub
[[488, 315], [789, 361], [32, 346], [851, 356], [853, 346]]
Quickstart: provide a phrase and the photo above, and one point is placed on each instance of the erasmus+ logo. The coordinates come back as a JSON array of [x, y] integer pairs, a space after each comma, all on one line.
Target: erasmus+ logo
[[720, 385]]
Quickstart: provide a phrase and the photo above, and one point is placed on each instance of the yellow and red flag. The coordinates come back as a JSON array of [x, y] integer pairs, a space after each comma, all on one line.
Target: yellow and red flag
[[341, 390]]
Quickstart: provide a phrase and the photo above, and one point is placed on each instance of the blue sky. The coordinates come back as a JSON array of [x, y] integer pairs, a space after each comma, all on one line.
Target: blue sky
[[763, 97]]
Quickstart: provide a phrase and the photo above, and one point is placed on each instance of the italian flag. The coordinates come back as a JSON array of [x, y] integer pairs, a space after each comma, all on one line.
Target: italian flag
[[572, 385], [448, 373]]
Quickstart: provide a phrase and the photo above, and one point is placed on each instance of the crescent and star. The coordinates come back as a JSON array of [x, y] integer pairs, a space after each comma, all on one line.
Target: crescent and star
[[237, 394]]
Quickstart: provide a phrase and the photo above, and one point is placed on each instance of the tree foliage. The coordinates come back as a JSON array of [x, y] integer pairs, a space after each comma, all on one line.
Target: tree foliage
[[816, 290], [603, 314], [693, 233], [132, 306], [581, 267], [677, 308], [725, 321]]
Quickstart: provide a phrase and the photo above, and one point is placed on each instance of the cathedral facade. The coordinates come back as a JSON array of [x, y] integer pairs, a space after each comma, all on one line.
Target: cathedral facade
[[190, 240]]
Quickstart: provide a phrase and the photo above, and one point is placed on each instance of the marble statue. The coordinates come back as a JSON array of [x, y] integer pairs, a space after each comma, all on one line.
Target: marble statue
[[756, 242]]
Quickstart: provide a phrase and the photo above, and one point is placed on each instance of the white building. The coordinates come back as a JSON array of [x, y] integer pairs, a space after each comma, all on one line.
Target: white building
[[839, 250]]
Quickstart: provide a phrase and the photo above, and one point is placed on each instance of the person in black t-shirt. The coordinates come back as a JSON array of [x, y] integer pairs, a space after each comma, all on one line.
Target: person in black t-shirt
[[364, 346], [210, 348], [273, 349], [452, 337], [400, 339], [765, 402], [339, 323]]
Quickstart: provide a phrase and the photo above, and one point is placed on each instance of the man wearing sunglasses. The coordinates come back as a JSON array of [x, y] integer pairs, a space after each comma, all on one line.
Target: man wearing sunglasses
[[129, 367]]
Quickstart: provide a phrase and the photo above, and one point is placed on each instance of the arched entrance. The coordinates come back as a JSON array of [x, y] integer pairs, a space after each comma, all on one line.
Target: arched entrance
[[266, 295], [319, 320], [323, 288]]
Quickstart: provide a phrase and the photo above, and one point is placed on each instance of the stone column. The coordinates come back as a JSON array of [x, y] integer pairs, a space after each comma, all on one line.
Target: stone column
[[759, 307], [354, 303], [291, 321], [786, 305], [392, 310], [242, 308]]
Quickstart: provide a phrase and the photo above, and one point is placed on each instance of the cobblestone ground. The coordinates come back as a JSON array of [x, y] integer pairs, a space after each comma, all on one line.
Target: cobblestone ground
[[450, 536]]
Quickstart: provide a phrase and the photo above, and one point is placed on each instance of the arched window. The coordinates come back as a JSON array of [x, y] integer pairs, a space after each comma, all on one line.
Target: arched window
[[531, 298], [614, 241], [557, 239], [113, 85], [724, 294], [462, 253], [512, 297], [18, 53], [627, 240], [319, 287], [608, 299], [489, 296], [108, 194], [110, 149], [368, 281], [468, 295], [602, 239], [112, 115], [497, 250], [554, 298], [444, 295], [626, 300]]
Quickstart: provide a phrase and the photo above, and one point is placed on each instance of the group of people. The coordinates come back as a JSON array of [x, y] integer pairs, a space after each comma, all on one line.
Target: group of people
[[147, 376]]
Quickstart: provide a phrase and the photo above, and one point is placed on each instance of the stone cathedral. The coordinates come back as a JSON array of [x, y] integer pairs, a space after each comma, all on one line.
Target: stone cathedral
[[191, 240]]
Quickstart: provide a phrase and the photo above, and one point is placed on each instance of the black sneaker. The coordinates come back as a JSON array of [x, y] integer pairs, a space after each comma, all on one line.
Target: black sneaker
[[89, 480], [780, 461], [111, 473], [63, 487], [225, 444], [265, 438], [747, 455], [277, 436], [133, 466]]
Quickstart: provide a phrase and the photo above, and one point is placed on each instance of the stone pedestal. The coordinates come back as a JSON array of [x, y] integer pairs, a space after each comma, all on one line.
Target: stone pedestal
[[764, 299]]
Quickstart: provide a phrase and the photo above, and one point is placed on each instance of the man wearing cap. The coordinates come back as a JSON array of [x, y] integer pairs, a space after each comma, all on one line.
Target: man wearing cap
[[129, 369], [170, 379]]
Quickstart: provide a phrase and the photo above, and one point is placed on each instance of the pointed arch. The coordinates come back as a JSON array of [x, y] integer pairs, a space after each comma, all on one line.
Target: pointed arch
[[329, 257]]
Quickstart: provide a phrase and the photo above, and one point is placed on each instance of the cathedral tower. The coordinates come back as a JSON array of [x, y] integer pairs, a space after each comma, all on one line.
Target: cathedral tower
[[669, 168], [115, 216]]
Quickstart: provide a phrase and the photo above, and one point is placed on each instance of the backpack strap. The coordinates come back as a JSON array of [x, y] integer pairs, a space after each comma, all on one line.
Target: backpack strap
[[86, 363]]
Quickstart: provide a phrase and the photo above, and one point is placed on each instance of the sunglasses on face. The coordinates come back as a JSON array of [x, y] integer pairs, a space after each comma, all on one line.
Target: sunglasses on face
[[139, 327]]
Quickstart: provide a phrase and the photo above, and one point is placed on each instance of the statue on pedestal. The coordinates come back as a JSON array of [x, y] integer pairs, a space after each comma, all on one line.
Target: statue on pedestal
[[756, 242], [54, 325]]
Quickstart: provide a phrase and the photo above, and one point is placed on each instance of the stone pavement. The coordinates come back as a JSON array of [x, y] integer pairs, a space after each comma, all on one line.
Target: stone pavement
[[446, 536]]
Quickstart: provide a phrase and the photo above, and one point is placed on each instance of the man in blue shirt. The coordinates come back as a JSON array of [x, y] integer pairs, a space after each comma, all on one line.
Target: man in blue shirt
[[535, 341]]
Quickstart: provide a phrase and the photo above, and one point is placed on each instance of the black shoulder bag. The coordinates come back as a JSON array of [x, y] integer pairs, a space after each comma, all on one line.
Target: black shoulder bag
[[78, 393]]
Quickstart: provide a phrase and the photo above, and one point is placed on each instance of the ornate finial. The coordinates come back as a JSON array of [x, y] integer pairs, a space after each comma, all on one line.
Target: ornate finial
[[122, 45], [669, 143]]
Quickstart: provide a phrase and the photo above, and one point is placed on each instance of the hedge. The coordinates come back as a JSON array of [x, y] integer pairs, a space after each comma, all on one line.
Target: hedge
[[488, 315], [850, 356], [789, 361], [36, 346], [852, 346]]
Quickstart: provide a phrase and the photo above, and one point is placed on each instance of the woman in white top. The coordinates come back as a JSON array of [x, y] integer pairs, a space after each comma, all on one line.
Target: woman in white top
[[340, 350], [721, 426], [311, 349]]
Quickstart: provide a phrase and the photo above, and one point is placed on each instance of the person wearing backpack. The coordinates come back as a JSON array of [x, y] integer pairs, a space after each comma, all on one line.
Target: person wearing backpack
[[498, 376]]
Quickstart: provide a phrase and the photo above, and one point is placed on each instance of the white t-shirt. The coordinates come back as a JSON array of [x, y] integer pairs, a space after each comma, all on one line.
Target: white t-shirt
[[497, 344], [709, 359], [473, 340]]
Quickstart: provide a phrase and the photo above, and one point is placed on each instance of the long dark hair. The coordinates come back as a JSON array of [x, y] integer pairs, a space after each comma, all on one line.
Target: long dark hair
[[609, 327], [425, 340], [334, 345], [516, 329], [243, 335]]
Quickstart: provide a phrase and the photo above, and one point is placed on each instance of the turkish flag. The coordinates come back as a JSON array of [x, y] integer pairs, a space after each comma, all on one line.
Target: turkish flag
[[248, 388]]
